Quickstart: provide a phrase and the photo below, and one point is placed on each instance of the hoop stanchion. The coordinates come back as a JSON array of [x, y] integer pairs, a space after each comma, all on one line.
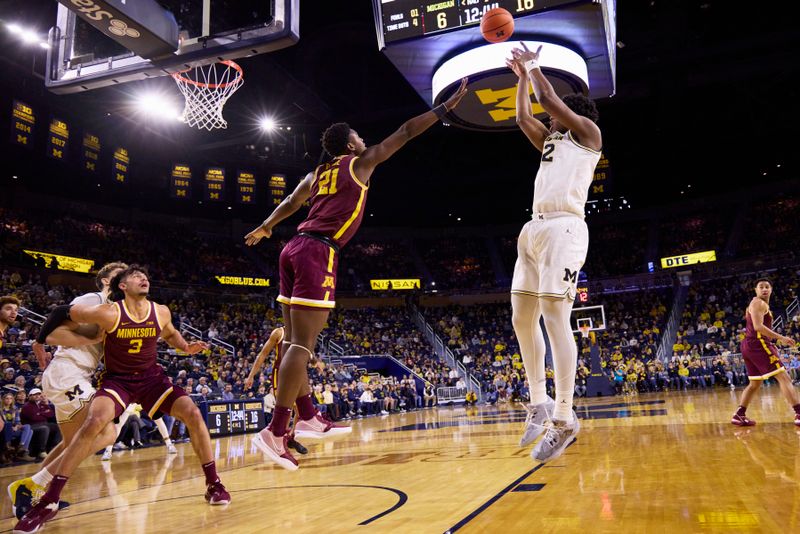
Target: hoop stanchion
[[206, 89]]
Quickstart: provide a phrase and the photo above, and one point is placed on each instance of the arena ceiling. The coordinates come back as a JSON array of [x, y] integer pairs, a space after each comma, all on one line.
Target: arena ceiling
[[707, 94]]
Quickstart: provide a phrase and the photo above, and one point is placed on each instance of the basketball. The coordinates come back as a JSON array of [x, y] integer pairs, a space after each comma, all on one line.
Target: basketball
[[497, 25]]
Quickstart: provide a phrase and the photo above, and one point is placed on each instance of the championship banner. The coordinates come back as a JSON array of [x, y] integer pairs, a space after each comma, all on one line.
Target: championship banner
[[215, 184], [689, 259], [58, 139], [22, 124], [121, 165], [277, 188], [601, 183], [246, 187], [91, 152], [180, 181], [394, 284], [242, 281], [65, 263]]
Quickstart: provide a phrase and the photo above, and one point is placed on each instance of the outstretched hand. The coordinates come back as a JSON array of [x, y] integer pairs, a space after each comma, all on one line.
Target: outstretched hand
[[523, 54], [257, 235], [453, 101], [517, 66], [195, 346]]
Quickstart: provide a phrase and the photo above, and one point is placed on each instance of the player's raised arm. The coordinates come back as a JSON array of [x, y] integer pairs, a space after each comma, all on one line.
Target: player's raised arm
[[377, 154], [584, 128], [757, 310], [174, 338], [285, 209], [274, 337], [533, 128]]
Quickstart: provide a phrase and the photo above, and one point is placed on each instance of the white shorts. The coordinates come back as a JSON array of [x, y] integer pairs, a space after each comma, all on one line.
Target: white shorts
[[68, 387], [551, 250]]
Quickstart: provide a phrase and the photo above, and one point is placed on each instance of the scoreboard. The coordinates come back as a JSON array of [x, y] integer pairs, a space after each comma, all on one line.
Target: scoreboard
[[406, 19], [233, 417]]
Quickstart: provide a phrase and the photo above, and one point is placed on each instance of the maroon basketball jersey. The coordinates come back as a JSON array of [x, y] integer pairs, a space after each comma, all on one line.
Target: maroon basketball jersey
[[338, 200], [131, 346], [751, 337]]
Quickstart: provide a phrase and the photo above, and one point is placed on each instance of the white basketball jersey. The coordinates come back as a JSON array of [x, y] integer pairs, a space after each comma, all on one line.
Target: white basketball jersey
[[565, 175], [89, 356]]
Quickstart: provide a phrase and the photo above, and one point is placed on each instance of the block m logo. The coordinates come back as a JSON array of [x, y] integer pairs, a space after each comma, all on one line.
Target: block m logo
[[570, 276], [504, 100]]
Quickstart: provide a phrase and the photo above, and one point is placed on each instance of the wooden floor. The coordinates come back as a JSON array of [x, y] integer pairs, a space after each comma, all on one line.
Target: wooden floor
[[653, 463]]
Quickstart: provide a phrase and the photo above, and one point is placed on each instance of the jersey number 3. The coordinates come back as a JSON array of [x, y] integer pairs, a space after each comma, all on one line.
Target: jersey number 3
[[547, 153], [136, 346]]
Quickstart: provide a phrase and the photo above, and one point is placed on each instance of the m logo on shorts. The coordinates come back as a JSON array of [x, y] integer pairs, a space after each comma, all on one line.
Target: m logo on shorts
[[570, 276], [328, 282], [74, 392]]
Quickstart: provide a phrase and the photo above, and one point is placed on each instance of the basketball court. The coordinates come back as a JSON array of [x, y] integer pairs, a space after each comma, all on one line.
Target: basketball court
[[653, 463]]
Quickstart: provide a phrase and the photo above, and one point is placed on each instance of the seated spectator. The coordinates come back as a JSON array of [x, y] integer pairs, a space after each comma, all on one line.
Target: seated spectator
[[429, 396], [38, 413], [14, 430]]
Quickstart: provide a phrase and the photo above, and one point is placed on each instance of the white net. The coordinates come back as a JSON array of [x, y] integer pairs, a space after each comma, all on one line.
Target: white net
[[206, 89]]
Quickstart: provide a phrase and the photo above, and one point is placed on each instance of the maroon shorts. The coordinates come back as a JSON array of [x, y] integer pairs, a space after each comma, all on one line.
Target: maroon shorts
[[152, 389], [762, 361], [308, 274]]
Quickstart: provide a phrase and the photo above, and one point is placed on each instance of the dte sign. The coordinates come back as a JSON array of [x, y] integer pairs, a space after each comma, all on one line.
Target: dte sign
[[675, 262], [688, 259]]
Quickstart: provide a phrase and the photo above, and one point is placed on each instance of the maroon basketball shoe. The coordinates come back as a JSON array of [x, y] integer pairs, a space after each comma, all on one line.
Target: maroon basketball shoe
[[36, 517], [320, 427], [797, 419], [275, 448], [217, 494], [742, 420]]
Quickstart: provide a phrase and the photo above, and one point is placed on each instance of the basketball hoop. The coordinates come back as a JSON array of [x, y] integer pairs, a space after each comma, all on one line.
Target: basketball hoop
[[206, 89], [584, 328]]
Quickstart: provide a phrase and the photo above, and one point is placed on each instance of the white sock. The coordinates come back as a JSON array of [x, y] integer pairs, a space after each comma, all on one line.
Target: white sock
[[162, 429], [565, 354], [525, 318], [110, 448], [42, 478]]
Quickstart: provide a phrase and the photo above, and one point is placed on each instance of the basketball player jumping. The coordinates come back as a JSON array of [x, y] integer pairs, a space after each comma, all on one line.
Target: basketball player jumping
[[132, 326], [275, 341], [308, 264], [67, 382], [761, 356], [552, 248]]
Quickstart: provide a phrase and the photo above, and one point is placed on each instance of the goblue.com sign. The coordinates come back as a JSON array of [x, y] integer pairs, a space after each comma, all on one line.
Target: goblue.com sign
[[395, 284], [688, 259]]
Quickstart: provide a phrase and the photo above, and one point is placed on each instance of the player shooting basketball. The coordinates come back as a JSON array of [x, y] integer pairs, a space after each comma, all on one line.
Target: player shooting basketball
[[552, 248]]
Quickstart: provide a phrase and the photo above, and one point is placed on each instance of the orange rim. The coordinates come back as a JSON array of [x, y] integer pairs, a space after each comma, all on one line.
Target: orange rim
[[229, 63]]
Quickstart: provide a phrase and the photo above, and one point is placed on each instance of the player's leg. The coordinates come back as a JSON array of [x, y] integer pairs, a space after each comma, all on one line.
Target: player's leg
[[292, 441], [101, 411], [118, 426], [753, 362], [525, 318], [562, 251], [306, 327], [70, 391], [789, 393], [184, 409], [162, 429], [526, 314]]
